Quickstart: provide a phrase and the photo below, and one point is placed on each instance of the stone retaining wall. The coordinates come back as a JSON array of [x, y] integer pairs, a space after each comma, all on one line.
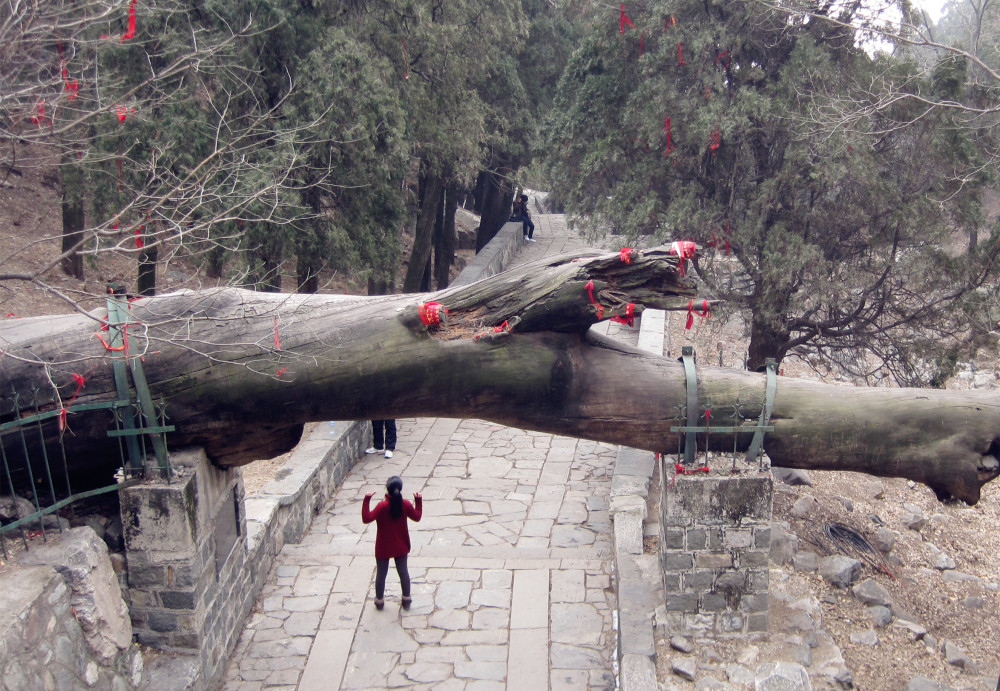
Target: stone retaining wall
[[63, 624]]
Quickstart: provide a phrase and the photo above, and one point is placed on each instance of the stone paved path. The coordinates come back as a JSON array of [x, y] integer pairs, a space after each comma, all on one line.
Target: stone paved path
[[511, 567]]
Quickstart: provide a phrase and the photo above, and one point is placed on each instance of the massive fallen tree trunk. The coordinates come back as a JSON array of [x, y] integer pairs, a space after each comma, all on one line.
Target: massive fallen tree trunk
[[240, 372]]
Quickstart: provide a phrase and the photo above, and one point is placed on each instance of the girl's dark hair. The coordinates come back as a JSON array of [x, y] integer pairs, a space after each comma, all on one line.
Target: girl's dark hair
[[394, 487]]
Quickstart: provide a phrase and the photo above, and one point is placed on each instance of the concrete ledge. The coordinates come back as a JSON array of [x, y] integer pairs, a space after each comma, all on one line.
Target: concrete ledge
[[283, 510], [638, 578], [495, 257]]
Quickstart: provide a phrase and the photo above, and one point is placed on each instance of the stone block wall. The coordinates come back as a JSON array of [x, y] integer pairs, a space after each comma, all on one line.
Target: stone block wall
[[714, 542], [495, 257], [188, 585], [199, 552]]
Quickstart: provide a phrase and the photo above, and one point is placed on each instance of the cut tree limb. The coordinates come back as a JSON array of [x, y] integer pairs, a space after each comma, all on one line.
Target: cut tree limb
[[240, 372]]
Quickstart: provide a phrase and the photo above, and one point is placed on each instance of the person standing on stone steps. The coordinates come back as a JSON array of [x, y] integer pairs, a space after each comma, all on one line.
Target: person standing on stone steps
[[392, 536], [383, 437]]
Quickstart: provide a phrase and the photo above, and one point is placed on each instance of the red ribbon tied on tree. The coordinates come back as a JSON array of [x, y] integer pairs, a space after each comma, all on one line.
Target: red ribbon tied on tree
[[623, 20], [626, 254], [627, 318], [704, 313], [80, 381], [684, 249], [680, 55], [681, 470], [598, 307], [122, 112], [430, 313], [131, 22], [39, 117]]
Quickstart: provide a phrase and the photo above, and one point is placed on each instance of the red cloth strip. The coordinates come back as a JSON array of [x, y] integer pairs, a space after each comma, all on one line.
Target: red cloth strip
[[670, 143], [623, 20], [680, 55], [681, 470], [430, 313], [131, 22], [705, 313], [277, 340], [629, 317], [684, 250], [626, 254], [598, 307]]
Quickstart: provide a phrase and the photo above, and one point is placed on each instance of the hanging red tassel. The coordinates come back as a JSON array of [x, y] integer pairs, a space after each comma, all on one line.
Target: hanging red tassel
[[684, 250], [139, 242], [629, 317], [623, 20], [122, 112], [713, 147], [131, 22], [598, 307], [39, 117], [705, 313], [680, 55], [670, 143]]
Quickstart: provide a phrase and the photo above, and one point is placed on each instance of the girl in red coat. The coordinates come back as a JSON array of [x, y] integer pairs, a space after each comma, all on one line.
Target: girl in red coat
[[392, 538]]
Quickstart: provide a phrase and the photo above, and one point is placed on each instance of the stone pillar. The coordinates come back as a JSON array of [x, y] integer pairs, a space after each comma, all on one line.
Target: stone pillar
[[186, 549], [714, 543]]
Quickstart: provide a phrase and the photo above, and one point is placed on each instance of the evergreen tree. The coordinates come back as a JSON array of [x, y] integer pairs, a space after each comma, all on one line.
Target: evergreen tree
[[706, 129]]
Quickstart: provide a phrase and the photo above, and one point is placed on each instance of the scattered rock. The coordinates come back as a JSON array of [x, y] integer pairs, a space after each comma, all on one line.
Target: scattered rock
[[914, 521], [872, 593], [783, 543], [919, 683], [684, 667], [954, 655], [118, 562], [942, 562], [713, 684], [681, 645], [839, 571], [803, 506], [884, 540], [739, 675], [973, 602], [881, 616], [847, 503], [791, 476], [782, 676], [12, 509], [868, 637], [844, 678], [805, 561], [113, 536], [952, 576], [915, 630], [748, 655]]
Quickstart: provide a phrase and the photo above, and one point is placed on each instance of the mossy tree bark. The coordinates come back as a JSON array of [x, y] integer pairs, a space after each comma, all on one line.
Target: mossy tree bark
[[240, 373]]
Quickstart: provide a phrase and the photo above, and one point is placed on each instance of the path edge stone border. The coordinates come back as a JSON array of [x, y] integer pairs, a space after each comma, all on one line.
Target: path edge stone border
[[638, 578]]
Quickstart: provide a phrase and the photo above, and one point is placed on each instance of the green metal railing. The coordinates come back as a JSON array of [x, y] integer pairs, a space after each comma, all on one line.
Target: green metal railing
[[133, 419]]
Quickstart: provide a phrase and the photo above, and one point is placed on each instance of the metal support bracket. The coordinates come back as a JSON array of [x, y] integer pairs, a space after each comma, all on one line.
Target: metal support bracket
[[691, 380], [118, 323], [765, 414]]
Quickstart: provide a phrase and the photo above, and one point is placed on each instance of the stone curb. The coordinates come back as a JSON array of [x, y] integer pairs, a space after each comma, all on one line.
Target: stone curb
[[638, 580]]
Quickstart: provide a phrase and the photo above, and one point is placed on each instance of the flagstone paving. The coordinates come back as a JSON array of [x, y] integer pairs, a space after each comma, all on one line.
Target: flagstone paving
[[511, 566]]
